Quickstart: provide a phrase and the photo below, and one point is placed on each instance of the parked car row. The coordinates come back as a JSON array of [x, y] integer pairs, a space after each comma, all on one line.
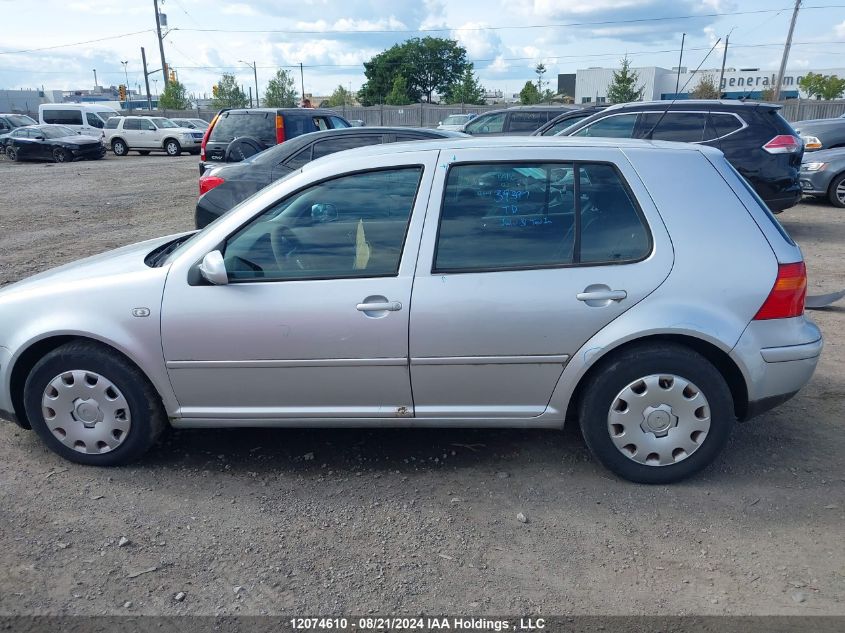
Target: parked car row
[[150, 134]]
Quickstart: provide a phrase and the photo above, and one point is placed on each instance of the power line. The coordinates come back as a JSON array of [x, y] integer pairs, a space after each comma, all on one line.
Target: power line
[[501, 28], [49, 48]]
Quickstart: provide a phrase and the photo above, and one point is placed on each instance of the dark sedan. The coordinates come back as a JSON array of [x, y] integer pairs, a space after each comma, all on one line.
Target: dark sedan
[[821, 133], [221, 188], [823, 175], [51, 142]]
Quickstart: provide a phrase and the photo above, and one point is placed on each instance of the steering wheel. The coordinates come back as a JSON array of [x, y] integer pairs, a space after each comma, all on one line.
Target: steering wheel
[[287, 249]]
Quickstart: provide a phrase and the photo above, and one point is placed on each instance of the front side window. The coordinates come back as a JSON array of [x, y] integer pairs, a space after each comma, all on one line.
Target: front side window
[[510, 216], [351, 226], [560, 126], [330, 146], [94, 120], [617, 126], [487, 124]]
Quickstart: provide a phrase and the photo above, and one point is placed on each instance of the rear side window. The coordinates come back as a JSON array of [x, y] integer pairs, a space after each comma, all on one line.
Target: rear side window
[[258, 125], [332, 145], [62, 117], [684, 127], [132, 124], [299, 159], [615, 126], [297, 125], [527, 121], [338, 122], [509, 216]]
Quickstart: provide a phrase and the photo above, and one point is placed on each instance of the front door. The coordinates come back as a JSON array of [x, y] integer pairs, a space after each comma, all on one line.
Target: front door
[[522, 260], [314, 321]]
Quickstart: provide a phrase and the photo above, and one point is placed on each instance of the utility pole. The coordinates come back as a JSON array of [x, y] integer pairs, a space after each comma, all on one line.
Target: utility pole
[[146, 79], [724, 58], [680, 59], [254, 67], [302, 80], [126, 75], [95, 79], [160, 44], [787, 46]]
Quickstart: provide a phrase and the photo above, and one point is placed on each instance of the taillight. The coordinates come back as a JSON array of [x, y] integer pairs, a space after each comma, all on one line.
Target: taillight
[[787, 296], [206, 135], [280, 128], [783, 144], [207, 183]]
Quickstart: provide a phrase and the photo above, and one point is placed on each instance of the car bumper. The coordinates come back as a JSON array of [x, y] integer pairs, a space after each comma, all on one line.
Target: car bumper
[[784, 200], [777, 357], [88, 153], [815, 183]]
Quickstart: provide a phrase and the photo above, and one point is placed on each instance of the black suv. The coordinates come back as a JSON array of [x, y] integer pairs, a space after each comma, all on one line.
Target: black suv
[[516, 121], [754, 137], [236, 134]]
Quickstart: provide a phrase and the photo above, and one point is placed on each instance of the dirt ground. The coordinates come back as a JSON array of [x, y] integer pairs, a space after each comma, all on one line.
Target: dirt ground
[[399, 521]]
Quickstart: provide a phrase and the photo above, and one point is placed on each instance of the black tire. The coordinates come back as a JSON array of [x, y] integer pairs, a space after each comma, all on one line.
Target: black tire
[[119, 147], [144, 152], [148, 419], [12, 153], [172, 147], [836, 191], [242, 148], [62, 155], [636, 362]]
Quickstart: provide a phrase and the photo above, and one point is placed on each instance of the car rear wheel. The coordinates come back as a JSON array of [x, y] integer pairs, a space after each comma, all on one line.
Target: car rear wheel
[[656, 414], [12, 153], [62, 155], [172, 147], [91, 406], [119, 148], [836, 191]]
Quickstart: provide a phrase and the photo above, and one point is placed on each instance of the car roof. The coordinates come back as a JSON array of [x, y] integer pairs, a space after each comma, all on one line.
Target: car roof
[[503, 142], [683, 104], [285, 110], [534, 108]]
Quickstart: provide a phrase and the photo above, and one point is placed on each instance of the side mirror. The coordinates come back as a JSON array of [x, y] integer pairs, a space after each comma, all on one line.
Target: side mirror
[[39, 138], [323, 212], [213, 269]]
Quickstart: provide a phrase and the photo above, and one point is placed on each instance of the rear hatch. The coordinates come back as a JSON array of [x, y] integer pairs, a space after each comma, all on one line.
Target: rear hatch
[[256, 124]]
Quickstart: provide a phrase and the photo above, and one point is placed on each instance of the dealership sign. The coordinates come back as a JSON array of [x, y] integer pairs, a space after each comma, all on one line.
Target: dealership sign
[[757, 80]]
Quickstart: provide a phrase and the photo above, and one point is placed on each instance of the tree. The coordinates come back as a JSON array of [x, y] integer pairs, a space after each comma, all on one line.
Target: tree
[[540, 69], [281, 91], [822, 86], [468, 90], [623, 88], [529, 95], [174, 97], [767, 95], [341, 97], [229, 94], [706, 88], [427, 65], [399, 93]]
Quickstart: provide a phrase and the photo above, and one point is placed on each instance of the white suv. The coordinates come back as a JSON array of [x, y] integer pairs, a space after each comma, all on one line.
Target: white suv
[[147, 134]]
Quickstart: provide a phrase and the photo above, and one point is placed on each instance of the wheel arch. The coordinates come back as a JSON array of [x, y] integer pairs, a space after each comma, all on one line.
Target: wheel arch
[[118, 138], [720, 359], [36, 350]]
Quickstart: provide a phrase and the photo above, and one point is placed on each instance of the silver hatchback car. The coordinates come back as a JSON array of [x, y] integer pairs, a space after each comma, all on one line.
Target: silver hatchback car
[[639, 287]]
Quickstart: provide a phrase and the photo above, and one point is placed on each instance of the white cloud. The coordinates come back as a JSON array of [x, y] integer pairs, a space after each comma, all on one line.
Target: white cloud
[[238, 9], [480, 42], [840, 29]]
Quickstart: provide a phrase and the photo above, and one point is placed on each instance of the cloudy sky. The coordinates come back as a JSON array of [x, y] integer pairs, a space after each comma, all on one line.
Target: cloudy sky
[[57, 43]]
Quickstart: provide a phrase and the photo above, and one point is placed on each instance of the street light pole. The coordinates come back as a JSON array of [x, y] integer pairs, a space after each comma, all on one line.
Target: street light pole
[[126, 75], [160, 43], [95, 78], [254, 67], [787, 46]]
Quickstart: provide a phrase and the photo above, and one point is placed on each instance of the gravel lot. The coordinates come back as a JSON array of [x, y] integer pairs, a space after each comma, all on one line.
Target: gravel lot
[[360, 521]]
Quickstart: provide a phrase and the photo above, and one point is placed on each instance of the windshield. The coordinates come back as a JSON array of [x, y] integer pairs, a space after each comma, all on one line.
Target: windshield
[[56, 131], [19, 120], [162, 122], [455, 119]]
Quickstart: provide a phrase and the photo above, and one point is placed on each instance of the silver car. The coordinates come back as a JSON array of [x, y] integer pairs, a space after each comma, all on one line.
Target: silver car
[[639, 287]]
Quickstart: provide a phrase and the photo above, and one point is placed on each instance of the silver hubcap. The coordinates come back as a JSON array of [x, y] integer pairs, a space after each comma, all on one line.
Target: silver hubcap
[[659, 420], [86, 411], [171, 148], [840, 192]]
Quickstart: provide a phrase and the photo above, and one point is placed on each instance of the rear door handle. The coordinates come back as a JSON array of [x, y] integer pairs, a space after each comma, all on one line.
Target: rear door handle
[[602, 295], [391, 306]]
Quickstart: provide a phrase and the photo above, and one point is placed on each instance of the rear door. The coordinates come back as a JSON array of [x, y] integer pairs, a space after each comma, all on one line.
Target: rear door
[[522, 260]]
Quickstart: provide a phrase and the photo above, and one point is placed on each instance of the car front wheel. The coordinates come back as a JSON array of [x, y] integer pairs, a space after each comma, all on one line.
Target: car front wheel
[[836, 192], [656, 414], [91, 406], [172, 148], [12, 153], [62, 155], [119, 148]]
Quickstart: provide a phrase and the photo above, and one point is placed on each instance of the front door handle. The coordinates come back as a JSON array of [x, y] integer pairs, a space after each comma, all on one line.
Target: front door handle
[[602, 295], [391, 306]]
